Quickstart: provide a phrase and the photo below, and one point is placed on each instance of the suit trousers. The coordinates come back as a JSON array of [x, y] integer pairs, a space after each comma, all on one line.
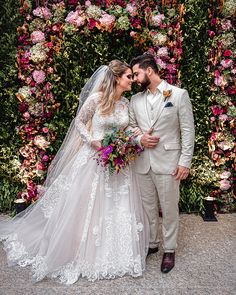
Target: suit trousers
[[166, 189]]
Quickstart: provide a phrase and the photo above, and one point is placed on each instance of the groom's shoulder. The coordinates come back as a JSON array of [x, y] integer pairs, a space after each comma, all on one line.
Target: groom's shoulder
[[177, 89], [138, 95]]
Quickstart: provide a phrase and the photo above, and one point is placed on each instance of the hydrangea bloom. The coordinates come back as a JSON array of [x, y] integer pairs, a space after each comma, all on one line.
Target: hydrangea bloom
[[37, 36], [39, 76]]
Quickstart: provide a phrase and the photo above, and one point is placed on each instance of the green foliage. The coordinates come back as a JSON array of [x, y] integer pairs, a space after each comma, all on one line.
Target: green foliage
[[9, 142], [195, 79], [80, 56]]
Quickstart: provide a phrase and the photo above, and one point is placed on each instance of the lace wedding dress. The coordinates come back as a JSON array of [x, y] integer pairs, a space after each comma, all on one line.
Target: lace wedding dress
[[88, 223]]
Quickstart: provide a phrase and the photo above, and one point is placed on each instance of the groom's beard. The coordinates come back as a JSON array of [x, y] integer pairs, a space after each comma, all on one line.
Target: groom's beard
[[145, 83]]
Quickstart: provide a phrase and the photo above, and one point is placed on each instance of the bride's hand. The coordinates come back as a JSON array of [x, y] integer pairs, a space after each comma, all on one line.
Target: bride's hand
[[137, 131], [96, 144]]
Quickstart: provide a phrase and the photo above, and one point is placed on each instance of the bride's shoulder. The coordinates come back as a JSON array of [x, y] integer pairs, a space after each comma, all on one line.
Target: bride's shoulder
[[125, 100], [95, 96]]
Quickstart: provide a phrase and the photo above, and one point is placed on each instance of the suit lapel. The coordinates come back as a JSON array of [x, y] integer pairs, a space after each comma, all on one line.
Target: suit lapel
[[161, 106]]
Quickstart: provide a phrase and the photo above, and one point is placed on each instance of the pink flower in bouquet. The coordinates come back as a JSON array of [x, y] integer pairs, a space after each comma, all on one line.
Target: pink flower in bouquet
[[225, 175], [226, 63], [225, 184], [39, 76], [37, 36], [42, 12], [132, 9]]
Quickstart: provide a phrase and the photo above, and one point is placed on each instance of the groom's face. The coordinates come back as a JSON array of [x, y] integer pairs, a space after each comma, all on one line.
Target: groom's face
[[140, 77]]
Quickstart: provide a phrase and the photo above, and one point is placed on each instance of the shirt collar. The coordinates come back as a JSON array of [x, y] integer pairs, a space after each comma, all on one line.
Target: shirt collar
[[160, 88]]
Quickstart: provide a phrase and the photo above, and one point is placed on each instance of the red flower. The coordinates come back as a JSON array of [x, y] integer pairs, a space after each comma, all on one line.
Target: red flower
[[227, 52], [92, 23], [211, 33]]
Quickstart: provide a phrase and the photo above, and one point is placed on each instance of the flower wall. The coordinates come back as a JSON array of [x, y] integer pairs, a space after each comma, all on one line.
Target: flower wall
[[222, 70], [60, 44], [149, 27]]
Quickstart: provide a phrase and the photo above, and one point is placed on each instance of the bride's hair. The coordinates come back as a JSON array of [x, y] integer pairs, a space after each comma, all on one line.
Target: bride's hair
[[107, 88]]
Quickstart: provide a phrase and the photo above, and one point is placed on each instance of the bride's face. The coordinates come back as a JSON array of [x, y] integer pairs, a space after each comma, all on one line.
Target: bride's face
[[125, 81]]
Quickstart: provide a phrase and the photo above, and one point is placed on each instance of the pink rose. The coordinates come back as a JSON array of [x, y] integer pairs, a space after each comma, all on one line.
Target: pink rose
[[225, 175], [225, 184], [226, 63], [45, 129], [132, 10], [26, 115]]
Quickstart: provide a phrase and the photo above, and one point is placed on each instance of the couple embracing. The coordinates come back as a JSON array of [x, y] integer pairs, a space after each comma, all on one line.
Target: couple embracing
[[94, 224]]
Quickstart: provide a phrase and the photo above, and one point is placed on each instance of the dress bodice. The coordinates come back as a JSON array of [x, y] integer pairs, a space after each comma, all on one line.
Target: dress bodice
[[100, 125]]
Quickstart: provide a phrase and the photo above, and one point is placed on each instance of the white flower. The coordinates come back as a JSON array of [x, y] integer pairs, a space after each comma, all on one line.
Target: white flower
[[93, 11], [25, 92], [38, 53]]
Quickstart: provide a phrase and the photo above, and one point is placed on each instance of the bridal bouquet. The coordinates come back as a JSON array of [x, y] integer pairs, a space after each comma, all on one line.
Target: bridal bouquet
[[118, 150]]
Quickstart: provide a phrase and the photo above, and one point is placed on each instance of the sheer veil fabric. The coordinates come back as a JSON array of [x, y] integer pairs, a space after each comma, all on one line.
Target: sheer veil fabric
[[87, 222]]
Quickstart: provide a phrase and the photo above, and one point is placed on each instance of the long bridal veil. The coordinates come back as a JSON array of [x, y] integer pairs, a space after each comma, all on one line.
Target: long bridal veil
[[71, 143]]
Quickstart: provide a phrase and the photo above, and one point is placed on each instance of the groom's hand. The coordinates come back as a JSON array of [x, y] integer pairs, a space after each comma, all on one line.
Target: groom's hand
[[181, 173], [148, 140]]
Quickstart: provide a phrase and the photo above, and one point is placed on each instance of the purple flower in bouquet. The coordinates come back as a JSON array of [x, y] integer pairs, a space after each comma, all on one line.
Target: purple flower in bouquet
[[118, 150]]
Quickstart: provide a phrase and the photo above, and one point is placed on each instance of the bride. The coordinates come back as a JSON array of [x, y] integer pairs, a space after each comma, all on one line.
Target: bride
[[87, 223]]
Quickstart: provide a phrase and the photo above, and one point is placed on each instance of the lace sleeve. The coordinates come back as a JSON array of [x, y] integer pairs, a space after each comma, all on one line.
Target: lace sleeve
[[85, 115]]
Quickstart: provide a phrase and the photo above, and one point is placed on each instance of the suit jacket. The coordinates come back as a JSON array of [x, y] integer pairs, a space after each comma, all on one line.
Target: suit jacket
[[173, 122]]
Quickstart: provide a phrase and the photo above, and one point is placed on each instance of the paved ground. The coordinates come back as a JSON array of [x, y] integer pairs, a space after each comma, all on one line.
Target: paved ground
[[205, 265]]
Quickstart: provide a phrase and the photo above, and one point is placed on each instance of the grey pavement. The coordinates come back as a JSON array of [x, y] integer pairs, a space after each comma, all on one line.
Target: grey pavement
[[205, 265]]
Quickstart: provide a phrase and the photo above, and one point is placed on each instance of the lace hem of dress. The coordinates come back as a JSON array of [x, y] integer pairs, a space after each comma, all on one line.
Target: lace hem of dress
[[71, 272]]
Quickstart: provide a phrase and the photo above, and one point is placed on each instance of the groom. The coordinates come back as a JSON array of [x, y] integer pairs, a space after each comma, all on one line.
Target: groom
[[164, 114]]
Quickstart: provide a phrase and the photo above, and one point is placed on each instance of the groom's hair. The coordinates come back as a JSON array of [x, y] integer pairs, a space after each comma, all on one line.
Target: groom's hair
[[144, 61]]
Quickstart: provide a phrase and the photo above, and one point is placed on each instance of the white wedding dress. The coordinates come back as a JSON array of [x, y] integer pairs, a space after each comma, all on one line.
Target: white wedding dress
[[88, 223]]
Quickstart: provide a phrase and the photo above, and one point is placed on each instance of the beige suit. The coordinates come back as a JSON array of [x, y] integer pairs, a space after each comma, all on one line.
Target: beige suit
[[173, 122]]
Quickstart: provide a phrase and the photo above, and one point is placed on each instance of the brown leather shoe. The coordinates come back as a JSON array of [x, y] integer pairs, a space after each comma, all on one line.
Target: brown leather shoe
[[152, 251], [168, 262]]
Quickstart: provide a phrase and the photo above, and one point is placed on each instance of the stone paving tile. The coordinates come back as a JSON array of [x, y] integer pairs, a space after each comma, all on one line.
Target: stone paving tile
[[205, 265]]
